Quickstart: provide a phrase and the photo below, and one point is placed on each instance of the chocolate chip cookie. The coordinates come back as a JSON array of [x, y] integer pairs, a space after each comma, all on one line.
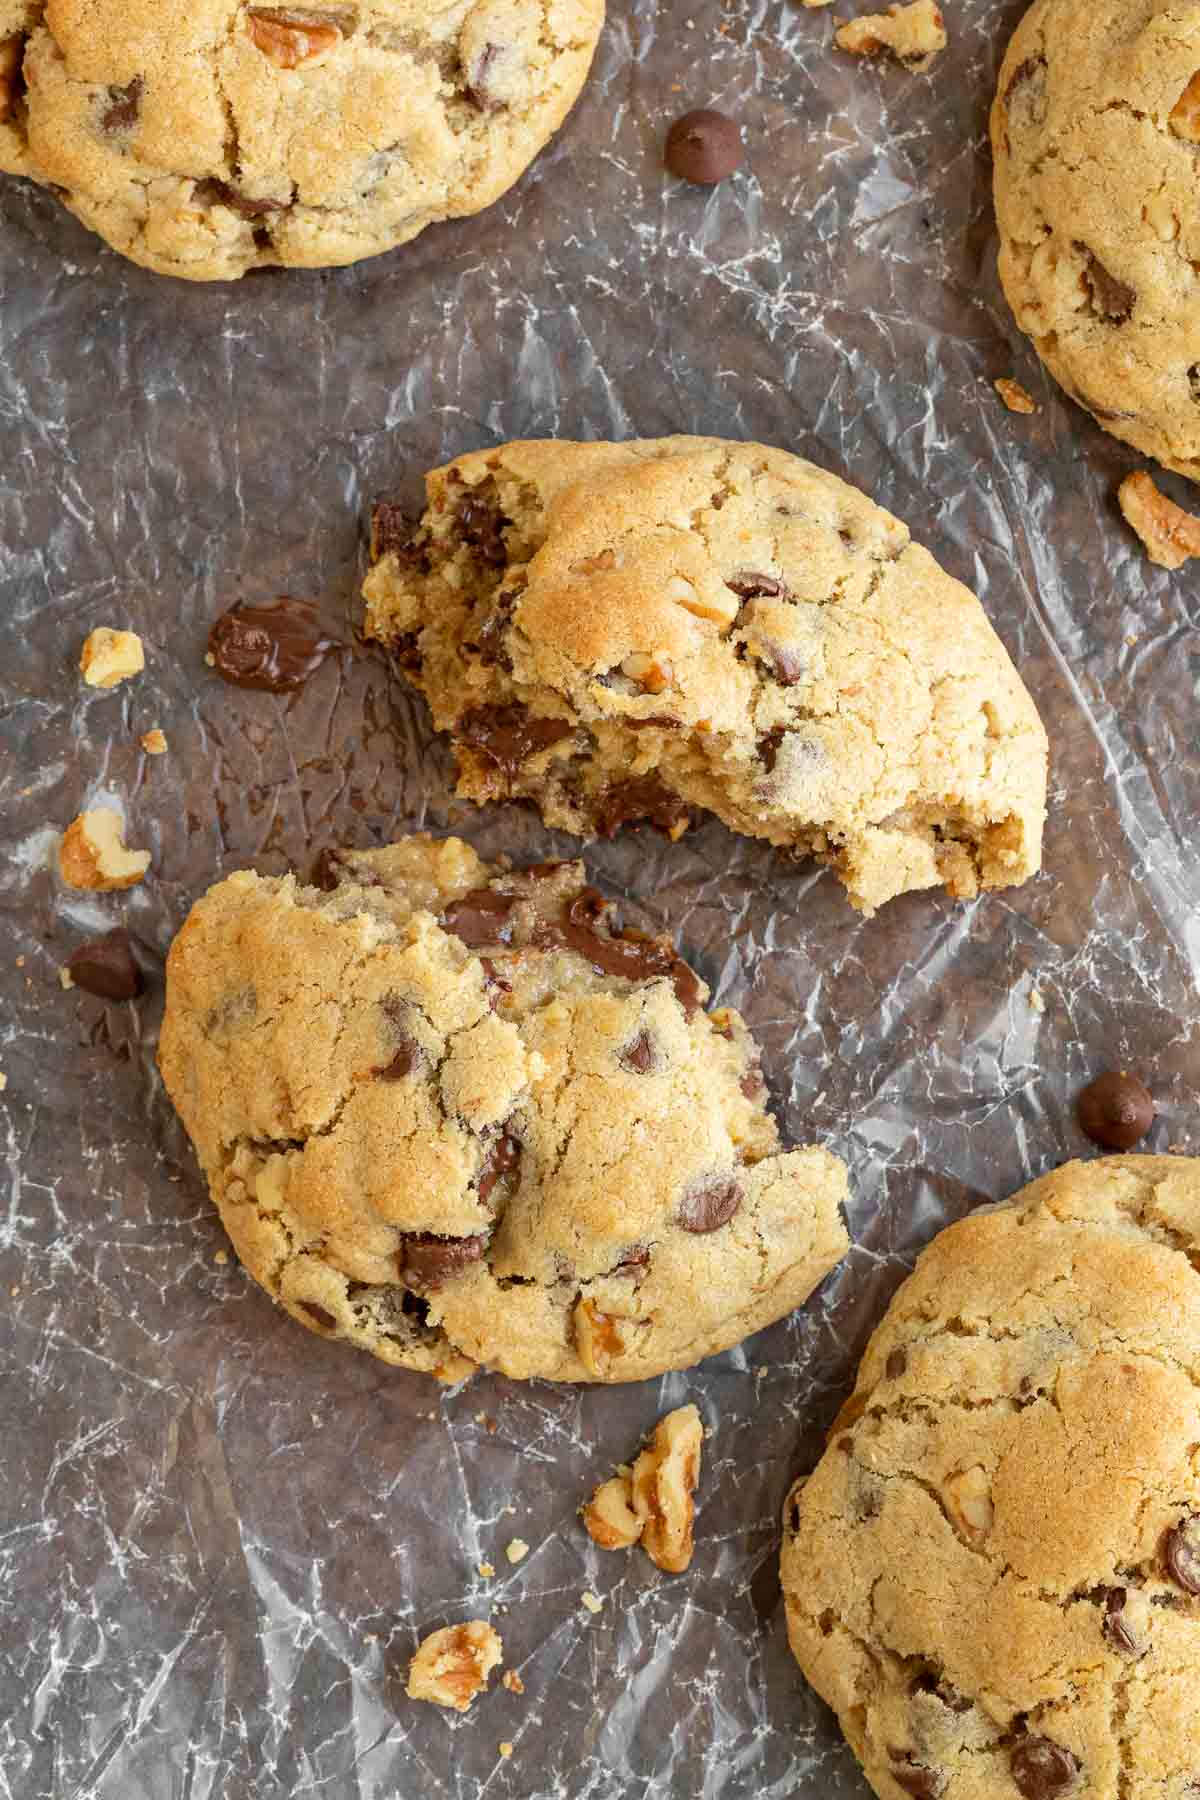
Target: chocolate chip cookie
[[628, 632], [993, 1576], [456, 1115], [1095, 130], [209, 139]]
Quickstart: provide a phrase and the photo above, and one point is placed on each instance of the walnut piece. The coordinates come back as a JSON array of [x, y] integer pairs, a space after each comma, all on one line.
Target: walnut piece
[[93, 853], [1169, 534], [452, 1665], [609, 1516], [12, 54], [110, 656], [914, 33], [653, 673], [969, 1502], [290, 38], [1185, 114], [664, 1480], [601, 1338], [1015, 396]]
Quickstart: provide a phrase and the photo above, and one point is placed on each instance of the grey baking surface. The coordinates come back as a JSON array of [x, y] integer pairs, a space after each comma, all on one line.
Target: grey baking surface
[[220, 1538]]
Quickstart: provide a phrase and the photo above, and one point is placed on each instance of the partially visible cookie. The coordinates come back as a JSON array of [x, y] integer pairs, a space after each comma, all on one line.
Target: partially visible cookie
[[455, 1115], [1095, 131], [993, 1575], [208, 139], [626, 632]]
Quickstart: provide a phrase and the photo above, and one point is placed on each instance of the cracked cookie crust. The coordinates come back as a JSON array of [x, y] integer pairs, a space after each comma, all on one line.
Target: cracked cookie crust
[[1096, 131], [626, 632], [456, 1115], [993, 1575], [208, 139]]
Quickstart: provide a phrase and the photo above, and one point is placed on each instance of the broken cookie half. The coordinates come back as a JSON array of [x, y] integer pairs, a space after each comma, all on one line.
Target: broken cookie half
[[635, 632], [457, 1115]]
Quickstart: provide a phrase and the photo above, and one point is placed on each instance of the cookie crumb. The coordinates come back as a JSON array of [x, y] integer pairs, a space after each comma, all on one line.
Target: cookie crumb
[[915, 33], [221, 1256], [93, 854], [1170, 535], [154, 742], [517, 1550], [1037, 1000], [506, 1748], [109, 657], [66, 980], [592, 1601], [451, 1665], [512, 1681], [1014, 396], [3, 1085], [486, 1570], [762, 1371]]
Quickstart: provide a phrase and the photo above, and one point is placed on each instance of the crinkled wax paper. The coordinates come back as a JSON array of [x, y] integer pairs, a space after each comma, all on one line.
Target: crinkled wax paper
[[220, 1537]]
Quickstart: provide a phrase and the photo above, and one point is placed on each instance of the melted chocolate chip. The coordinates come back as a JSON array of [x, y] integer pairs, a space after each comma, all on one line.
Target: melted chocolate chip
[[629, 954], [1024, 73], [477, 90], [124, 106], [494, 982], [408, 1055], [1181, 1554], [638, 1056], [708, 1205], [768, 748], [219, 193], [105, 967], [426, 1261], [481, 522], [659, 722], [1112, 300], [636, 1257], [645, 801], [941, 1690], [1042, 1768], [704, 147], [507, 736], [502, 1158], [489, 639], [787, 665], [405, 652], [480, 918], [916, 1778], [395, 533], [1116, 1111], [896, 1365], [750, 585], [1117, 1628], [273, 648], [318, 1315]]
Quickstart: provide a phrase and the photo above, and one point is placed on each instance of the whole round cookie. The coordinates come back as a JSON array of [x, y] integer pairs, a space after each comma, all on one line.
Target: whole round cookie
[[634, 631], [456, 1115], [208, 139], [1096, 133], [993, 1576]]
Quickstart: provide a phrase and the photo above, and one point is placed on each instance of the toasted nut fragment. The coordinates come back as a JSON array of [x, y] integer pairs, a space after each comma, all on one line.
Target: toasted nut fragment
[[1015, 397], [720, 605], [601, 1338], [452, 1665], [11, 57], [664, 1480], [969, 1500], [110, 656], [291, 38], [93, 854], [654, 673], [1169, 534], [154, 742], [915, 33], [1185, 114], [609, 1516], [512, 1681]]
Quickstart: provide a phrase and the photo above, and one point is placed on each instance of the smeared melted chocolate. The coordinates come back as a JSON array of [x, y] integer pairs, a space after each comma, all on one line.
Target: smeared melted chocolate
[[273, 647]]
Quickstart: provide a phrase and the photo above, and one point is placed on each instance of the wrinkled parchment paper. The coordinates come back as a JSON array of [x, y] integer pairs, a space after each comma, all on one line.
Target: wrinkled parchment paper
[[220, 1538]]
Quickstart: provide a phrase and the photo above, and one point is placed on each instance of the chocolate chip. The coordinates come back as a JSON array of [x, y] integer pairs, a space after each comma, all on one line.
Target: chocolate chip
[[1042, 1768], [124, 106], [318, 1315], [481, 522], [636, 1257], [507, 736], [219, 193], [1181, 1554], [329, 871], [787, 665], [657, 721], [748, 584], [896, 1364], [395, 533], [426, 1261], [273, 647], [703, 147], [645, 801], [490, 638], [502, 1158], [629, 954], [1116, 1110], [405, 652], [477, 89], [1194, 382], [768, 748], [1112, 300], [709, 1204], [105, 967], [480, 918], [638, 1056], [1117, 1628], [916, 1778], [494, 982], [937, 1688], [408, 1055]]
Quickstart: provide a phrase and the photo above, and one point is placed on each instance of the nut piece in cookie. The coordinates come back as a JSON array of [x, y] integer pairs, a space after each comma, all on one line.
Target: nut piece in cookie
[[915, 33], [973, 1633], [109, 657], [452, 1665], [93, 854], [1170, 535]]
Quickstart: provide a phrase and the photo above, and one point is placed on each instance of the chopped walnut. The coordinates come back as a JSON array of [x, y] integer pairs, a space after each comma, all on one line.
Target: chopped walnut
[[1169, 534], [93, 853], [154, 743], [1015, 396], [512, 1681], [609, 1516], [601, 1338], [914, 33], [969, 1502], [664, 1481], [654, 673], [12, 52], [290, 38], [110, 656], [452, 1665], [1185, 114]]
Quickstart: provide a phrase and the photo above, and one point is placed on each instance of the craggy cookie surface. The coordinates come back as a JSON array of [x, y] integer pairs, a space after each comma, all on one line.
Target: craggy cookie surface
[[993, 1576], [207, 139], [1096, 134], [629, 631], [455, 1115]]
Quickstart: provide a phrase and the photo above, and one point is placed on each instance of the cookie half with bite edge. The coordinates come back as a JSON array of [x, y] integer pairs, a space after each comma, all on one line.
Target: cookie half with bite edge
[[456, 1115], [993, 1575], [624, 632]]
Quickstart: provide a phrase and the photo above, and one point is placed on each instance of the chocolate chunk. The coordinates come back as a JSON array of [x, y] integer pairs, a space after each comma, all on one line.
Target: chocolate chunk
[[1181, 1554], [707, 1205], [638, 1056], [703, 147], [477, 89], [105, 967], [1193, 375], [1042, 1768], [481, 522], [318, 1315], [1117, 1628], [768, 748], [916, 1778], [1112, 300], [502, 1158], [787, 665], [408, 1055], [426, 1261], [645, 801], [124, 106], [1116, 1110], [508, 735], [273, 647], [395, 533], [219, 193], [480, 918], [329, 871], [489, 639], [896, 1365], [748, 584], [629, 954]]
